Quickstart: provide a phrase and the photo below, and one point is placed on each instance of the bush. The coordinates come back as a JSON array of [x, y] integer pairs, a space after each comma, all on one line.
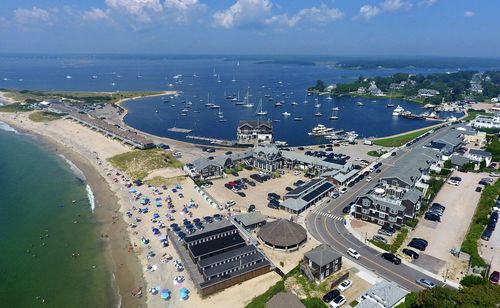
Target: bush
[[447, 164], [472, 280], [313, 302], [261, 300], [445, 172]]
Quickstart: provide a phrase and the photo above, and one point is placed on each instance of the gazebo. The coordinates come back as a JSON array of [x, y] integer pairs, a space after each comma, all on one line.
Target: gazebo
[[283, 235]]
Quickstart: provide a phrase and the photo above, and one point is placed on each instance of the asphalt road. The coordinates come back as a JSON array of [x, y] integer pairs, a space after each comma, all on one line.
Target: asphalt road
[[333, 232]]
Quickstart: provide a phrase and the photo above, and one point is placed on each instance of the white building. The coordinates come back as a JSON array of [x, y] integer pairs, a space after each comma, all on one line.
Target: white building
[[479, 156], [482, 121]]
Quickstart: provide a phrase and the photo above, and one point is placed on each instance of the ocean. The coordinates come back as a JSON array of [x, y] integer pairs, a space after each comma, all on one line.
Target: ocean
[[52, 251], [200, 79]]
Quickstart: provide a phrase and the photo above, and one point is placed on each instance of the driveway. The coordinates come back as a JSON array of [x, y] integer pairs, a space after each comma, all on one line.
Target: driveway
[[460, 202]]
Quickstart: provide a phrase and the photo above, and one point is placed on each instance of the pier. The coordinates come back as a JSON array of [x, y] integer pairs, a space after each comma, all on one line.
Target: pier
[[180, 130], [222, 142]]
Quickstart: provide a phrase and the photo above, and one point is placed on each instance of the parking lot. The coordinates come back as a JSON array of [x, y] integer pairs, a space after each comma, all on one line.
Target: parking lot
[[460, 202], [257, 194]]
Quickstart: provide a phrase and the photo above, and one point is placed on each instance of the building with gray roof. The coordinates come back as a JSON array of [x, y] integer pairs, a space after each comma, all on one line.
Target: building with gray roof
[[381, 295], [303, 197], [459, 160], [251, 220], [282, 234], [397, 195], [321, 262], [448, 143], [480, 156], [284, 300]]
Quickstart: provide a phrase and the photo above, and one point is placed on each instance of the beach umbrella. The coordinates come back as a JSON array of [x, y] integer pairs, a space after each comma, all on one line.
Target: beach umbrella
[[165, 294], [183, 293], [156, 215], [156, 231]]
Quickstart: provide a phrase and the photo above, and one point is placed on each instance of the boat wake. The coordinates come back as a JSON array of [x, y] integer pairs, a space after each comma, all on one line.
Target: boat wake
[[90, 196], [6, 127]]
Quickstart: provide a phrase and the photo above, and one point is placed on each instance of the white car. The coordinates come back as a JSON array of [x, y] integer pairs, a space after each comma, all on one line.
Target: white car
[[344, 285], [453, 182], [343, 190], [230, 203], [296, 172], [368, 179], [338, 301], [353, 253]]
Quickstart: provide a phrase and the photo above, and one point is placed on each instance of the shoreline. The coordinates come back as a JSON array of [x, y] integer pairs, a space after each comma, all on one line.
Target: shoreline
[[124, 267]]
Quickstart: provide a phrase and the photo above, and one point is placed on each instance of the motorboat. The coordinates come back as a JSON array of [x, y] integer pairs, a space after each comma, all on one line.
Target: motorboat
[[286, 114], [298, 119], [321, 130], [398, 111], [360, 104]]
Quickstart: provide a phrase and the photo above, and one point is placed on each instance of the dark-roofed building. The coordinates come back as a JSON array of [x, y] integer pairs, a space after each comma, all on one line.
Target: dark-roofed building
[[251, 220], [253, 132], [448, 143], [397, 195], [284, 300], [303, 197], [283, 235], [204, 168], [459, 160], [321, 262], [219, 257]]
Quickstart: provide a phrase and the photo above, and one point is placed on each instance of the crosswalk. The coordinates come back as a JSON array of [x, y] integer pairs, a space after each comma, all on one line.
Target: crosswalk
[[334, 217]]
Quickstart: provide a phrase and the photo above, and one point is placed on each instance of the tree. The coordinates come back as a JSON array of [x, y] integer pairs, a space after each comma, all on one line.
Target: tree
[[472, 280], [436, 297], [447, 164]]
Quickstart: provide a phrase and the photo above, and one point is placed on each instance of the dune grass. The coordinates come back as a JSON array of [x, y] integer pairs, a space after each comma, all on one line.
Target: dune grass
[[139, 163], [44, 116]]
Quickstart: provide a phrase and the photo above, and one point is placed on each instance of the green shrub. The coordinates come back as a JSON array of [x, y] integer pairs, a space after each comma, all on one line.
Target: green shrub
[[261, 300], [472, 280]]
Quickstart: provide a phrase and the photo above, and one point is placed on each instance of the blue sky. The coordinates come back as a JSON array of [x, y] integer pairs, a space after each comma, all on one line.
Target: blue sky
[[340, 27]]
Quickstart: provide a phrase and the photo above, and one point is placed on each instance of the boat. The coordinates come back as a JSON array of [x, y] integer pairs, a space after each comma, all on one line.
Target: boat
[[281, 143], [294, 103], [389, 105], [260, 111], [178, 76], [234, 79], [68, 77], [209, 105], [247, 103], [335, 109], [185, 110], [298, 119], [360, 104], [222, 120], [214, 73], [317, 105], [94, 77], [113, 84], [170, 85], [286, 114], [305, 98], [333, 116], [194, 75], [321, 130], [318, 114], [156, 111], [277, 104], [218, 79], [214, 106], [398, 111]]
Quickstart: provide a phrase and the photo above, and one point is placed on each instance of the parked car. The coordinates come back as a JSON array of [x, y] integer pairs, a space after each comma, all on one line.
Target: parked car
[[409, 252], [328, 297], [299, 183], [343, 190], [379, 238], [494, 277], [273, 205], [353, 253], [486, 235], [478, 189], [241, 194], [426, 283], [346, 209], [391, 258], [418, 245], [484, 183], [494, 216], [344, 285], [230, 203], [251, 208], [338, 301], [385, 232], [432, 216]]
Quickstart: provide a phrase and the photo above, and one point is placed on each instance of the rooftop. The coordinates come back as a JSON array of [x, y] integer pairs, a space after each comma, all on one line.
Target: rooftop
[[322, 255], [284, 300], [249, 219], [383, 294], [282, 233]]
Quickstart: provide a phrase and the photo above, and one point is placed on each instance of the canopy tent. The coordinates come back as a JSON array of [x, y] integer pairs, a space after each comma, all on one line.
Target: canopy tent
[[165, 294]]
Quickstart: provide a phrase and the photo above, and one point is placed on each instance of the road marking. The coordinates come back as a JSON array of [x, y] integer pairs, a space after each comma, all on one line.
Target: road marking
[[334, 217]]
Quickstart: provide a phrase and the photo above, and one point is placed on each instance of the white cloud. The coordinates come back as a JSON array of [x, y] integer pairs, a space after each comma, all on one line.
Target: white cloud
[[315, 15], [427, 2], [395, 5], [182, 11], [243, 12], [182, 5], [469, 14], [26, 18], [96, 14], [141, 9], [369, 11]]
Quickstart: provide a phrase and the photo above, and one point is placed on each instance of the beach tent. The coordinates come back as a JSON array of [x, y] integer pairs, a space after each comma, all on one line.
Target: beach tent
[[132, 190], [156, 231], [183, 294], [158, 203], [156, 215], [165, 294]]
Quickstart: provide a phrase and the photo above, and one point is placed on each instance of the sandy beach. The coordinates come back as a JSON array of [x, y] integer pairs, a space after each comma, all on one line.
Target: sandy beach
[[89, 151]]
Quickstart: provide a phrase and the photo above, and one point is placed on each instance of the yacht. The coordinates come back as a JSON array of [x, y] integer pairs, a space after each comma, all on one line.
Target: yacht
[[398, 111], [333, 116], [360, 104], [335, 109], [294, 103], [286, 114], [260, 111], [209, 105], [214, 106], [318, 114], [68, 77], [234, 79], [94, 76], [321, 130], [277, 104], [298, 119]]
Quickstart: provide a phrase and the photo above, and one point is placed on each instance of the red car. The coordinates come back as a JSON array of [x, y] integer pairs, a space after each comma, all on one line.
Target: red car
[[494, 277]]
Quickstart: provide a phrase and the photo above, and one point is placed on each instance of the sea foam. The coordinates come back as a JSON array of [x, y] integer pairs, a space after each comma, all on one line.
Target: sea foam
[[90, 196], [6, 127], [76, 171]]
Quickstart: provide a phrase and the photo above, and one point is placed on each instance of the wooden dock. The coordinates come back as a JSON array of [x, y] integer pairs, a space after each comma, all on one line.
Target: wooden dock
[[213, 140], [180, 130]]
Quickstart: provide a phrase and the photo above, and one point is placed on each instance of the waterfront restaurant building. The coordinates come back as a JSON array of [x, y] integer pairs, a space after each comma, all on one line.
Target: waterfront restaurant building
[[251, 132]]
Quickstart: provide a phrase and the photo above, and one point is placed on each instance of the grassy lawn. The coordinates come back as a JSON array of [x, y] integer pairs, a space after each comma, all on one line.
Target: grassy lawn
[[261, 300], [89, 97], [494, 149], [478, 222], [375, 153], [401, 139], [471, 114], [44, 116], [139, 163]]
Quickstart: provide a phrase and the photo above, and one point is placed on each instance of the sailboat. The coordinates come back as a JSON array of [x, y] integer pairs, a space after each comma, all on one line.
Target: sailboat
[[333, 116], [218, 78], [260, 111], [194, 75], [214, 73], [247, 102], [305, 99], [234, 79]]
